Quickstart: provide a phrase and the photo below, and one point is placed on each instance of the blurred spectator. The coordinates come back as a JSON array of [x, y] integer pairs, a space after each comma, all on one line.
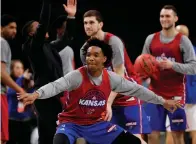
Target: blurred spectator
[[66, 53], [19, 121]]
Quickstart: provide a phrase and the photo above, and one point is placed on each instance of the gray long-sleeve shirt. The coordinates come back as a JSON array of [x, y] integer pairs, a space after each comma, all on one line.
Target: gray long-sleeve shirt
[[67, 57], [186, 47], [5, 58], [73, 80]]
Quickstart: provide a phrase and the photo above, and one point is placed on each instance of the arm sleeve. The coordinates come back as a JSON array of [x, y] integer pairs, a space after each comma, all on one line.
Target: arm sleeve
[[189, 65], [4, 51], [146, 47], [39, 36], [126, 87], [118, 51], [69, 82], [82, 56]]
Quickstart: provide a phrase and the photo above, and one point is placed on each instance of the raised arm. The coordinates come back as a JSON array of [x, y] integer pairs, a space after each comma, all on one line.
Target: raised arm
[[69, 32], [39, 36]]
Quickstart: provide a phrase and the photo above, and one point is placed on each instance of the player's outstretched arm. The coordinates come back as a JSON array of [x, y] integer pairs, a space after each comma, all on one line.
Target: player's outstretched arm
[[126, 87], [69, 82]]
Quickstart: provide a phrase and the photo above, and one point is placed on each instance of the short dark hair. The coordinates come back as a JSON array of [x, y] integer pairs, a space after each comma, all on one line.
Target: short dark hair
[[170, 7], [58, 23], [106, 49], [27, 28], [6, 19], [94, 13]]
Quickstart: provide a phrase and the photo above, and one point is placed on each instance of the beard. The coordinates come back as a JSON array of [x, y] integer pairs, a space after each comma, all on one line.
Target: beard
[[169, 27], [93, 34]]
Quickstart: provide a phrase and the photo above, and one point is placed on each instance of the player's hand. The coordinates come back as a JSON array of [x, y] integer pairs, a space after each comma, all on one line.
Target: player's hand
[[172, 105], [27, 98], [108, 116], [71, 7], [165, 64]]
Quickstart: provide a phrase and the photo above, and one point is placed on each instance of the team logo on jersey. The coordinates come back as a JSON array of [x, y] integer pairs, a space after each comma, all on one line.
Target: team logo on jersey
[[94, 100], [163, 56]]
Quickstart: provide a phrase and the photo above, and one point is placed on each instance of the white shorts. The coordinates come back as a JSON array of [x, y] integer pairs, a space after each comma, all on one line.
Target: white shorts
[[190, 110], [167, 124]]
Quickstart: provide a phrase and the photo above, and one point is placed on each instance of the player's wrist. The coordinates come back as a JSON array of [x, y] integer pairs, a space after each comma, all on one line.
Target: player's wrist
[[109, 103], [164, 102], [71, 16], [21, 90], [36, 94]]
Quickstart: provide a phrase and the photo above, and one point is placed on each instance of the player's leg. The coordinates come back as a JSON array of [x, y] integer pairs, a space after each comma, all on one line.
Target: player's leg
[[81, 141], [4, 119], [156, 115], [190, 110], [169, 138], [193, 136], [178, 125], [61, 138]]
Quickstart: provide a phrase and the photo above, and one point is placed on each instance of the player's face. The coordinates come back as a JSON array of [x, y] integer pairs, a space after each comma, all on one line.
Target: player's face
[[9, 31], [95, 58], [168, 18], [18, 69], [92, 26]]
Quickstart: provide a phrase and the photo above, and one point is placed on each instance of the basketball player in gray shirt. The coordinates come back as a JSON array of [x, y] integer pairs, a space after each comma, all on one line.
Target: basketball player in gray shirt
[[8, 32], [176, 57]]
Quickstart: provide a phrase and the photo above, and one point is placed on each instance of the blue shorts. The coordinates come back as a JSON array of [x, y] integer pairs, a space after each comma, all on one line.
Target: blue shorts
[[131, 118], [99, 133], [157, 116]]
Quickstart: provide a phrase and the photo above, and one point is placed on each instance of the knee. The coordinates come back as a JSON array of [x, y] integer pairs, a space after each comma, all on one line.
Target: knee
[[178, 134], [193, 134], [60, 139], [154, 135], [81, 141]]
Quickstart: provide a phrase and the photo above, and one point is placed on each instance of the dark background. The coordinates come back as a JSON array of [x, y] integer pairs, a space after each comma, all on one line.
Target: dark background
[[132, 20]]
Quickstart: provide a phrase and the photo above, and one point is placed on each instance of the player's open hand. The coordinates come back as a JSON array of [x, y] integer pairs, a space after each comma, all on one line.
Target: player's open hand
[[27, 98], [71, 7], [172, 105]]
